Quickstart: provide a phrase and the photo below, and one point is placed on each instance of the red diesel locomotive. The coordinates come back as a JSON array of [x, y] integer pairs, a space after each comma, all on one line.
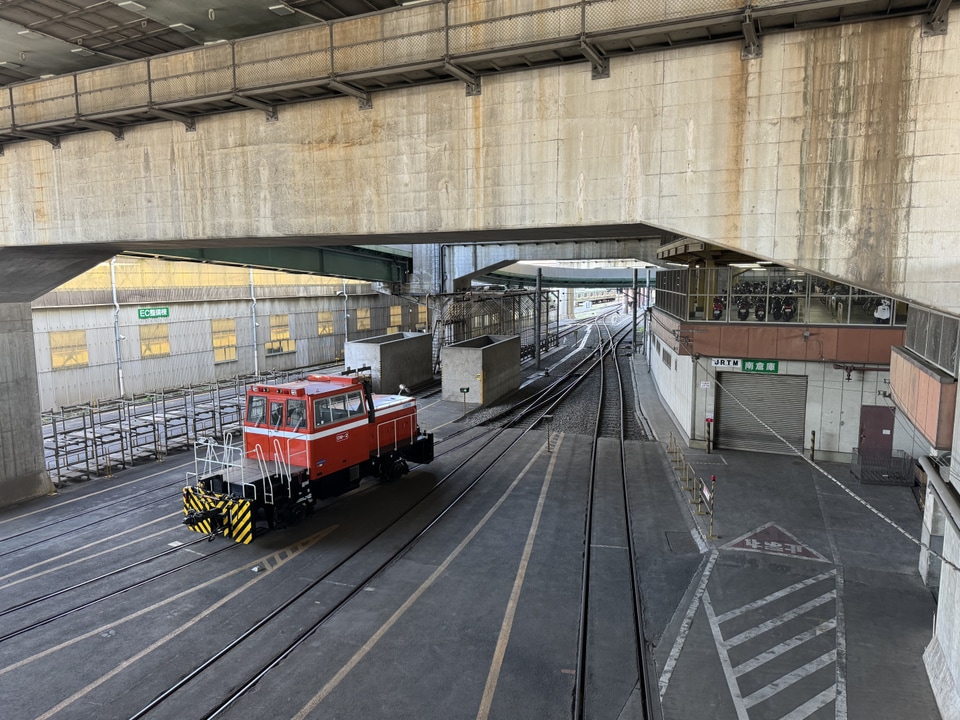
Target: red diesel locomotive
[[302, 441]]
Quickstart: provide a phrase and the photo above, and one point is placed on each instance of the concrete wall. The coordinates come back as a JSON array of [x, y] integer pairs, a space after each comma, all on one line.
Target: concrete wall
[[489, 365], [394, 359], [830, 153], [22, 471]]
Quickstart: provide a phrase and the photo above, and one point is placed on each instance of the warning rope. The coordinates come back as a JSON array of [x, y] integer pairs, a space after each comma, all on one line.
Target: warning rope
[[924, 546]]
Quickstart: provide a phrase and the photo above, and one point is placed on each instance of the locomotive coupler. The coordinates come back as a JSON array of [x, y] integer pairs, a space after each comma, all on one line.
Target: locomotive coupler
[[215, 516]]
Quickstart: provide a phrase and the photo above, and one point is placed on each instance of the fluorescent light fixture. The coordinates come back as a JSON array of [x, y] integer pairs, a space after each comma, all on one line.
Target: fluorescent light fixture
[[131, 6], [182, 27], [29, 34], [214, 42], [82, 51], [48, 75], [281, 9], [745, 265], [9, 65]]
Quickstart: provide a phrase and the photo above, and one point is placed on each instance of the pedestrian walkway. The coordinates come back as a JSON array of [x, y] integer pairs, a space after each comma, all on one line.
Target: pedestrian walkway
[[807, 604]]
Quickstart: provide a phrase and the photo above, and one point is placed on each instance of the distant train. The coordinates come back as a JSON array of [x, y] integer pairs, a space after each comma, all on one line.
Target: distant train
[[302, 441]]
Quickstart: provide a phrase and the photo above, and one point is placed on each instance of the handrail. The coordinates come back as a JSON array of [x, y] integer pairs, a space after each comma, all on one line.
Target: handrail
[[432, 34]]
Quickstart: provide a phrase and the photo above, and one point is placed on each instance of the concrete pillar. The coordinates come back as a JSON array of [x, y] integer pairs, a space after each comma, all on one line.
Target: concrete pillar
[[23, 474], [931, 534]]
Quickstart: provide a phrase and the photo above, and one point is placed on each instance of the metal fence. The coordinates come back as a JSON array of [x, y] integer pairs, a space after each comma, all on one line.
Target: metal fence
[[871, 467], [82, 442], [428, 35]]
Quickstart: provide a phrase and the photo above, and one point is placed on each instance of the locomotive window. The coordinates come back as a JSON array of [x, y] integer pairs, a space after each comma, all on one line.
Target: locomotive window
[[337, 407], [354, 404], [297, 414], [321, 412], [256, 409], [276, 414]]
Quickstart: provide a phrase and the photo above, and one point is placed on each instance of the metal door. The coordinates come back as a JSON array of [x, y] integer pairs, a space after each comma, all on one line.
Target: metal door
[[876, 429]]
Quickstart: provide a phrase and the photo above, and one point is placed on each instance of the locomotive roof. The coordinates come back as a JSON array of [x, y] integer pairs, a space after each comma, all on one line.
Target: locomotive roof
[[313, 385]]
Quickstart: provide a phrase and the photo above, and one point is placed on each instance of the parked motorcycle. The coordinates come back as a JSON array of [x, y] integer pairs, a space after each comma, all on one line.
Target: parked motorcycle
[[718, 306], [760, 311], [789, 309], [743, 310]]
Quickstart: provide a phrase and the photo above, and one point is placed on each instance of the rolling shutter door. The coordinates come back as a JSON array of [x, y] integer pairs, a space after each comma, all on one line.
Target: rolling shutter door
[[778, 400]]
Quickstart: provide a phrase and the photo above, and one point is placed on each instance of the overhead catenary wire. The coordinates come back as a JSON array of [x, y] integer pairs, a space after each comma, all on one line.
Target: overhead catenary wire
[[799, 452]]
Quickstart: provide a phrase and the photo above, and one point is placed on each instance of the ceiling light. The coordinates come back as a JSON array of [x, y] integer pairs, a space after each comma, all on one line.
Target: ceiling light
[[29, 34], [281, 9], [131, 6], [214, 42], [9, 65], [82, 51], [182, 27]]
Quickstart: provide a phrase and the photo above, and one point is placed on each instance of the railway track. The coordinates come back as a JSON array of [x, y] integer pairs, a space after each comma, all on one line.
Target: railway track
[[283, 628]]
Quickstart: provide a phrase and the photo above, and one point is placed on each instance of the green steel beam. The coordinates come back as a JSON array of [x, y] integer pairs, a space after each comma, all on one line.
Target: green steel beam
[[350, 262]]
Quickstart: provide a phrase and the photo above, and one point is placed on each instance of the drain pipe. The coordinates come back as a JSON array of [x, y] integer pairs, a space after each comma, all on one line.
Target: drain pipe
[[254, 324], [116, 323]]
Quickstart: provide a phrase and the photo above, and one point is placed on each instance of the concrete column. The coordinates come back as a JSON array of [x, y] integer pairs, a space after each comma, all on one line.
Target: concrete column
[[931, 533], [23, 474]]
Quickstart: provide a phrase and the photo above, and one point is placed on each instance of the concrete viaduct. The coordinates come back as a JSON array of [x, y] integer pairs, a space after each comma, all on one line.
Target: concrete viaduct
[[835, 151]]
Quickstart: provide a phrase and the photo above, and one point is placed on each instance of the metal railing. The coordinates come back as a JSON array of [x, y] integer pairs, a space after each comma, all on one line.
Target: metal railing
[[433, 34]]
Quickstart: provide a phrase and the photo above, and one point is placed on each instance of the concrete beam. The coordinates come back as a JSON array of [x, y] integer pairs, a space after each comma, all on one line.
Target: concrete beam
[[26, 273], [463, 263]]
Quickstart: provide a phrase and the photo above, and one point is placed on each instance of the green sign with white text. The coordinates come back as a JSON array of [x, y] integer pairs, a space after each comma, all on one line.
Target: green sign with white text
[[153, 313], [760, 366]]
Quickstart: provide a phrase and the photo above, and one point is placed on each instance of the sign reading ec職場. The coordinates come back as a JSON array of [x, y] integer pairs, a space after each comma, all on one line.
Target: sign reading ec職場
[[760, 366], [151, 313]]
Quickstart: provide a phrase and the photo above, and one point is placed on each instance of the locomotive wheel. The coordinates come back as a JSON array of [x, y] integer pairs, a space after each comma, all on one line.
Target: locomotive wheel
[[292, 514], [398, 468]]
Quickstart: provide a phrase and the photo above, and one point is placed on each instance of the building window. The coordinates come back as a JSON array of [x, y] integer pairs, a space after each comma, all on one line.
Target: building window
[[324, 323], [422, 317], [396, 319], [224, 333], [363, 319], [154, 340], [280, 340], [68, 349]]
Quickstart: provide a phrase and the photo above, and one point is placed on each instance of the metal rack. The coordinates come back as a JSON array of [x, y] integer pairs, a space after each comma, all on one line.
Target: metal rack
[[85, 441]]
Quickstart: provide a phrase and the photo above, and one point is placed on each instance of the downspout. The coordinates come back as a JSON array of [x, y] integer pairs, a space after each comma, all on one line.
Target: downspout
[[253, 323], [943, 493], [116, 323]]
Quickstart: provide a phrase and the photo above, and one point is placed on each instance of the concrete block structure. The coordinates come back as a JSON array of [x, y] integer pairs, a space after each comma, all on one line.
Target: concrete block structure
[[489, 365], [401, 358]]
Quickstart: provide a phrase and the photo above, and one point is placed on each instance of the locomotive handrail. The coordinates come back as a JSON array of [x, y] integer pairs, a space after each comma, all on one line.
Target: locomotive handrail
[[396, 434], [267, 485], [281, 466]]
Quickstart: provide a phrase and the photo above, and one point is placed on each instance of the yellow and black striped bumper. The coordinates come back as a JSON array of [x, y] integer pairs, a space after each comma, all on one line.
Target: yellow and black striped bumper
[[235, 515]]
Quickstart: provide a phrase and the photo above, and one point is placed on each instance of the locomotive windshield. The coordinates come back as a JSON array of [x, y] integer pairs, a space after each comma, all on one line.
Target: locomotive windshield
[[256, 409], [297, 414]]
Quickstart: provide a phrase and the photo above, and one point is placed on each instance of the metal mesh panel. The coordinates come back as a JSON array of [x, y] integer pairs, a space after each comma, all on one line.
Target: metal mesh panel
[[283, 59], [196, 73], [549, 24], [947, 357], [117, 87], [606, 14], [390, 51], [44, 100], [6, 117]]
